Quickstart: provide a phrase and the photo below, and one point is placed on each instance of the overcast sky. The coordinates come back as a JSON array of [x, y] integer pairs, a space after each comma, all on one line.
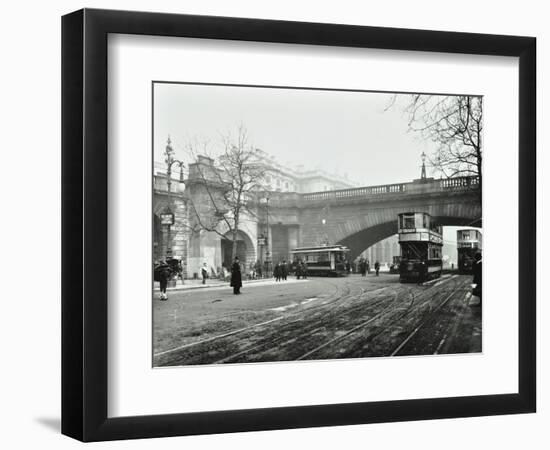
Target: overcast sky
[[341, 132]]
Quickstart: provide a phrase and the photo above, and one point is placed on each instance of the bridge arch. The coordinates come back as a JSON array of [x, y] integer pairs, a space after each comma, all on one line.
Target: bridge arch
[[245, 248]]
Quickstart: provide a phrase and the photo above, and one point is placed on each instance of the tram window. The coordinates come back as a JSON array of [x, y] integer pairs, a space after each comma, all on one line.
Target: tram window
[[435, 253], [413, 251], [407, 222], [311, 257]]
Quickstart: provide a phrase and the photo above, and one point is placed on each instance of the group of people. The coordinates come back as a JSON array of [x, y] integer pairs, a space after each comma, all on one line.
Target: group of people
[[255, 270], [281, 270], [363, 266], [301, 270]]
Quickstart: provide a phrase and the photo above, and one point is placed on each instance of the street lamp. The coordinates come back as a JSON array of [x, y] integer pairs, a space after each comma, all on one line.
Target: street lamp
[[267, 253], [167, 216], [325, 213]]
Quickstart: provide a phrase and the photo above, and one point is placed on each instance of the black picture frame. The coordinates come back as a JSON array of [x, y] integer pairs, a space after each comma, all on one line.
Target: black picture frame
[[84, 224]]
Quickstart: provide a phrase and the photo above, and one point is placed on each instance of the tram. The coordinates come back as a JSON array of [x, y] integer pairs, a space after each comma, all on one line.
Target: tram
[[421, 245], [468, 243], [326, 260]]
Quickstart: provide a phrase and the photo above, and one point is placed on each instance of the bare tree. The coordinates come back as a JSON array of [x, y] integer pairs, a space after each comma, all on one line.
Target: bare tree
[[455, 124], [230, 183]]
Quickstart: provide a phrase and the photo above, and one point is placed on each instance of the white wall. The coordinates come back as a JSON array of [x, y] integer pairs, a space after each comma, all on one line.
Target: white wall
[[30, 326]]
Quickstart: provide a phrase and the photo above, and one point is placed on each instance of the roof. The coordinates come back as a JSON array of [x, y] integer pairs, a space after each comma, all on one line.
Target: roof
[[321, 248]]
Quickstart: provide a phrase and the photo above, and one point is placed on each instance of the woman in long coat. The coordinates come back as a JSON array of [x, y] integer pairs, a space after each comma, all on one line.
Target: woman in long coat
[[236, 279]]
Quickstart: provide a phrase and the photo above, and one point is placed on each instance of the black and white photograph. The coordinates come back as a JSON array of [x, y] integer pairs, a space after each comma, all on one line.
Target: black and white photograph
[[275, 225], [294, 224]]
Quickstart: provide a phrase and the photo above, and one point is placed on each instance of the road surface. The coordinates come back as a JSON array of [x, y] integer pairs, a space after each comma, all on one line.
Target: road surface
[[318, 318]]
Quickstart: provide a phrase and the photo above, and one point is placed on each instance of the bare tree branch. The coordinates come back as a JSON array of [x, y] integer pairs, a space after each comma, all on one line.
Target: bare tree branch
[[454, 124], [230, 181]]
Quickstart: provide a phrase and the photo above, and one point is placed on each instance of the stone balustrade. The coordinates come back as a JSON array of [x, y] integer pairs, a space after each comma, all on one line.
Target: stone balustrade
[[416, 187]]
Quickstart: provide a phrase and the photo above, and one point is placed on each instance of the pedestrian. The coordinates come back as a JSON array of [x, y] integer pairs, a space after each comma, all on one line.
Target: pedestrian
[[477, 277], [180, 271], [284, 270], [298, 266], [304, 270], [377, 267], [363, 266], [367, 263], [236, 279], [204, 273], [164, 273], [277, 272], [259, 269]]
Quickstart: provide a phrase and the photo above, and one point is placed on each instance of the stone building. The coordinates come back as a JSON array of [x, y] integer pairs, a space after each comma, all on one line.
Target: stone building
[[284, 178], [192, 242]]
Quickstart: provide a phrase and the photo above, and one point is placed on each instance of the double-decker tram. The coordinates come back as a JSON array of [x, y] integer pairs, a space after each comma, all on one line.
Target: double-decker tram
[[326, 260], [468, 243], [421, 244]]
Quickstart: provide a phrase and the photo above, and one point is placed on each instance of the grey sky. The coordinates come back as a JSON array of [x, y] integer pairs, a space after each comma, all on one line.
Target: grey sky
[[342, 132]]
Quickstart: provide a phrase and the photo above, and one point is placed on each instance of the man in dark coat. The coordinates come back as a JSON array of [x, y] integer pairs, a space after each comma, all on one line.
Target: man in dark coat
[[277, 272], [477, 277], [284, 271], [377, 267], [236, 279], [164, 274]]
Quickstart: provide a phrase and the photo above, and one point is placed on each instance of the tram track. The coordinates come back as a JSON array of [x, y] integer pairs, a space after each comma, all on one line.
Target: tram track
[[294, 335], [405, 343], [272, 342], [232, 343], [356, 338], [309, 331], [338, 296]]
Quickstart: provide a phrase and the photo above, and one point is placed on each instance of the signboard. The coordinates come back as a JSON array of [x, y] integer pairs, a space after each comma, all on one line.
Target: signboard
[[413, 237], [436, 239], [167, 219], [421, 237], [261, 241]]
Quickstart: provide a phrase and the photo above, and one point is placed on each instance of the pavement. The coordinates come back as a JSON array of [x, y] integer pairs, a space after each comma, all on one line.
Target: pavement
[[197, 284]]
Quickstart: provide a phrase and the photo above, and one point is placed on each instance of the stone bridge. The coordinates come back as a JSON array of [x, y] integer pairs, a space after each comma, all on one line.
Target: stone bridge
[[361, 217], [357, 218]]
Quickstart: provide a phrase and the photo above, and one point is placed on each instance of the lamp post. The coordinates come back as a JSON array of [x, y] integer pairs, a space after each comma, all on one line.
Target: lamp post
[[325, 213], [267, 253], [167, 216]]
